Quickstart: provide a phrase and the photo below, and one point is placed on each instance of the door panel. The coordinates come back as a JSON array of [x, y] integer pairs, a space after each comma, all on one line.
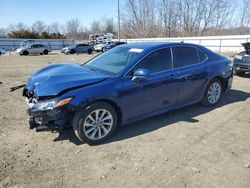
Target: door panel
[[78, 49], [191, 74], [32, 50], [191, 80], [157, 93]]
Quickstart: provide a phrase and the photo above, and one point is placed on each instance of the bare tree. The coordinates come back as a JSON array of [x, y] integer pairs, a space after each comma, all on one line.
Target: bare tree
[[72, 28], [54, 28], [3, 32], [140, 18], [244, 15], [18, 26], [168, 16], [95, 27], [38, 27], [109, 26]]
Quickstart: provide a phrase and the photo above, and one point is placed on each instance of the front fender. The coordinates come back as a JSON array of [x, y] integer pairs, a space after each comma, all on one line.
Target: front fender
[[99, 91]]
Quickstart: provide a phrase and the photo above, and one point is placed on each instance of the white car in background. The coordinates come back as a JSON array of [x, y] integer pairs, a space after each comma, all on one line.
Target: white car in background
[[2, 51], [101, 47], [34, 49]]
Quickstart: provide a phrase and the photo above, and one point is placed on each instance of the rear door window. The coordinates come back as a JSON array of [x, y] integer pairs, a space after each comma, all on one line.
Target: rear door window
[[202, 56], [184, 56]]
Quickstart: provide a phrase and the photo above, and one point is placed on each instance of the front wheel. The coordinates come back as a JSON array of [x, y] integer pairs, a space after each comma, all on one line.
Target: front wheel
[[72, 51], [89, 51], [25, 53], [96, 123], [45, 52], [212, 93]]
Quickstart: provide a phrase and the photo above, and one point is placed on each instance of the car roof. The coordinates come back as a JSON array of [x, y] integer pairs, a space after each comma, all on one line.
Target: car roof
[[155, 45]]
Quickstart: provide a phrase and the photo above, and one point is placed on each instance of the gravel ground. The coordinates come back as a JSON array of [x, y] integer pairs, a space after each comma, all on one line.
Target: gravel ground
[[191, 147]]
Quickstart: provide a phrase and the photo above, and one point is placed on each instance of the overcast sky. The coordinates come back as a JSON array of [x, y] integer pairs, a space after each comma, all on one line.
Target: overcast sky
[[49, 11]]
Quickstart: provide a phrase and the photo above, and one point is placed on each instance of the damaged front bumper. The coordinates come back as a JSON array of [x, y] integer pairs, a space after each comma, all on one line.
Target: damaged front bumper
[[48, 112], [48, 119]]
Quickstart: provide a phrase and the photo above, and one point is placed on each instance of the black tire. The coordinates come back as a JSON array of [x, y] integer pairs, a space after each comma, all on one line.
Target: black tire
[[72, 51], [239, 73], [90, 51], [25, 52], [45, 52], [81, 117], [0, 53], [205, 100]]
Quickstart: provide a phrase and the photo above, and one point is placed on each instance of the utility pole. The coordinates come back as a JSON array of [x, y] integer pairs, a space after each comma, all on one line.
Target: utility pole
[[180, 19], [119, 22]]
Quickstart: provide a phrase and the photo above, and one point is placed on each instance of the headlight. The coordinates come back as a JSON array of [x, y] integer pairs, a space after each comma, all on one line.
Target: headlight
[[51, 104]]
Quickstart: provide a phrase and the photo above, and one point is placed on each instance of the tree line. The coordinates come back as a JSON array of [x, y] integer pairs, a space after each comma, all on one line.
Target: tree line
[[173, 18], [72, 29], [151, 18]]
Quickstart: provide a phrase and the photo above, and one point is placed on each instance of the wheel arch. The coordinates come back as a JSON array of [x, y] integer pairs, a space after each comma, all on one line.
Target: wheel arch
[[113, 104], [220, 78], [222, 81]]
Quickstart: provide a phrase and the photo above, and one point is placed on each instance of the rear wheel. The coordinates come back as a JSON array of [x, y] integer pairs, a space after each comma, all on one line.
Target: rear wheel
[[96, 123], [212, 93], [45, 52], [89, 51], [0, 53]]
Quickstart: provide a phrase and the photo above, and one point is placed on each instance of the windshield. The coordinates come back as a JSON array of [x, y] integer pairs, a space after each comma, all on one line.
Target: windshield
[[114, 60]]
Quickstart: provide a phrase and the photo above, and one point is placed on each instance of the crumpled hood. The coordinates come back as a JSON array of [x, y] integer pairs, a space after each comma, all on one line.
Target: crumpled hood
[[53, 79], [247, 47]]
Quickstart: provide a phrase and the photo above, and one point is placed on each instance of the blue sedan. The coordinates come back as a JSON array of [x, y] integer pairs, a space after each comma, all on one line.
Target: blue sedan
[[125, 84]]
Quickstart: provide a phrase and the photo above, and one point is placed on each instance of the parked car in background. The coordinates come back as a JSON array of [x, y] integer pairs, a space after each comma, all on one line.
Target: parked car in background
[[78, 48], [34, 49], [112, 45], [125, 84], [241, 62], [2, 51], [101, 47]]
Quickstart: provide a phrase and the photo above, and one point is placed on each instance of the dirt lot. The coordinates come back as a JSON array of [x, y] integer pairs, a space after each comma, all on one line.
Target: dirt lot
[[190, 147]]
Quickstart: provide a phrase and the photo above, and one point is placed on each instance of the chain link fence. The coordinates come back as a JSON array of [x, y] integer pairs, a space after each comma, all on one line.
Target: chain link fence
[[55, 44]]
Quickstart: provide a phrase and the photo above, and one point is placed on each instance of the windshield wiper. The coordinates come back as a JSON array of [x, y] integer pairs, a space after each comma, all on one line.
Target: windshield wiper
[[90, 68], [98, 70]]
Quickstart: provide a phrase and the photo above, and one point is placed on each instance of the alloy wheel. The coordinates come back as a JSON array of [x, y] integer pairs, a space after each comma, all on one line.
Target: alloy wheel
[[214, 93], [98, 124]]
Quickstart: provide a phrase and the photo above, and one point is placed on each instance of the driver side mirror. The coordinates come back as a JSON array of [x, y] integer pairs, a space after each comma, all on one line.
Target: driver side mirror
[[140, 74]]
